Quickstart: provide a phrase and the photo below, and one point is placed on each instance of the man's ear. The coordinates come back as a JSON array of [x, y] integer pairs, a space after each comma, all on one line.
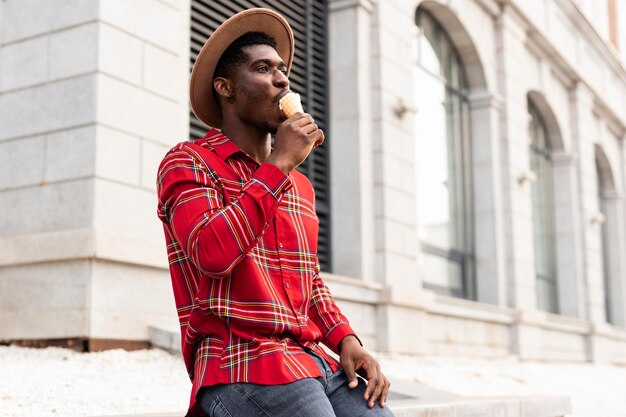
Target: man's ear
[[224, 87]]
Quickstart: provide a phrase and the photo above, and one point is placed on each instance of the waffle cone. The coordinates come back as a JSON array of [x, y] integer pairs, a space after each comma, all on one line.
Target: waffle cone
[[290, 104]]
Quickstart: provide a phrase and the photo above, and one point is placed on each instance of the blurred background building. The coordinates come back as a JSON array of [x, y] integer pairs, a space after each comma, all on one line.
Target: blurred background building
[[470, 190]]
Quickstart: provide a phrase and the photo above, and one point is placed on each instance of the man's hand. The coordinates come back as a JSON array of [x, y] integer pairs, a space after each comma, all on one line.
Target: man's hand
[[353, 358], [294, 140]]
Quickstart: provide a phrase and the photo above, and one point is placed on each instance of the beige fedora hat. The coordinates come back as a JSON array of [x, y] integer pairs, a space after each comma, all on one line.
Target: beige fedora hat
[[203, 104]]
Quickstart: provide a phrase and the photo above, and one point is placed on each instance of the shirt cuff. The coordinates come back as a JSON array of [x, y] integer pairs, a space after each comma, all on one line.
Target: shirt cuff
[[271, 178], [336, 335]]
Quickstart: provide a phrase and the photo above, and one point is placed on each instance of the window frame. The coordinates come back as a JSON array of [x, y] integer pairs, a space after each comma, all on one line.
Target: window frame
[[456, 89], [542, 196]]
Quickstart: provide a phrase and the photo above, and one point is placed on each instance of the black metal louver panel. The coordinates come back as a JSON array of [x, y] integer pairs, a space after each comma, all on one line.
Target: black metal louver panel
[[308, 19]]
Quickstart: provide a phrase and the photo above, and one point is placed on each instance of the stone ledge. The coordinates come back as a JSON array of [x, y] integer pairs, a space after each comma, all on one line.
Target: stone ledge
[[466, 407], [352, 289], [164, 338], [535, 406], [472, 310], [81, 243]]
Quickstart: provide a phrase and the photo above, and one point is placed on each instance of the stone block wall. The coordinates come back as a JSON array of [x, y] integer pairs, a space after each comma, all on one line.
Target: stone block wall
[[92, 95]]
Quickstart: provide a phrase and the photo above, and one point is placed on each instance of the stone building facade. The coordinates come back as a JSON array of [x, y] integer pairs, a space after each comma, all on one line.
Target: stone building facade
[[476, 161]]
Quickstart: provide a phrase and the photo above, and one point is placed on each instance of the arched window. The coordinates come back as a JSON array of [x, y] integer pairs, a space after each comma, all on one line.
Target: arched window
[[443, 176], [609, 205], [543, 213], [604, 245]]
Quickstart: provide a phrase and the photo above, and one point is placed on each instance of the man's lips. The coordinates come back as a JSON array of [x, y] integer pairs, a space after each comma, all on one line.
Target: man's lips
[[281, 95]]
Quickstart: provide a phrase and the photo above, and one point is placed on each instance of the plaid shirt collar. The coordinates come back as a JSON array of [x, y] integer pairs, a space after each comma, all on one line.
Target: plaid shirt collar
[[225, 148]]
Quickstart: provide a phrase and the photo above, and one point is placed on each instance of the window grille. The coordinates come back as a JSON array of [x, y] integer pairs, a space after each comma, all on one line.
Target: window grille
[[308, 19]]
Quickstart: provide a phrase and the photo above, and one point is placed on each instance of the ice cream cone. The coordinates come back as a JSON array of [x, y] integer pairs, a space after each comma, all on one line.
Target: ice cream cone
[[290, 104]]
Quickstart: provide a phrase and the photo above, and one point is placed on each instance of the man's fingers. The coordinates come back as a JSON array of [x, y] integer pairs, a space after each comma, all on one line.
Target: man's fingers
[[348, 369], [378, 388], [302, 119], [372, 381], [310, 128], [369, 391], [354, 359], [305, 123], [318, 137], [383, 397]]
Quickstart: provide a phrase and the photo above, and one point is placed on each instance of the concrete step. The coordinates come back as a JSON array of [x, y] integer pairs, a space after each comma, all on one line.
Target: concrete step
[[165, 338], [408, 399], [465, 407], [485, 407]]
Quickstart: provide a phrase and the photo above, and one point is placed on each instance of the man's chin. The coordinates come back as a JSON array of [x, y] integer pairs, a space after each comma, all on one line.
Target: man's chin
[[269, 127]]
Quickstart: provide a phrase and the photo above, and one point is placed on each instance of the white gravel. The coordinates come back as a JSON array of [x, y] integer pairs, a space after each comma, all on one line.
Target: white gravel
[[59, 382]]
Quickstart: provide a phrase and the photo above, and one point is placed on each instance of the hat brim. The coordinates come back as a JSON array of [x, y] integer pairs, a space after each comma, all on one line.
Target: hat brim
[[203, 103]]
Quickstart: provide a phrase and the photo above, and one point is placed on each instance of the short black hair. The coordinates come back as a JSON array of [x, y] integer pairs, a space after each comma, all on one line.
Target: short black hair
[[234, 55]]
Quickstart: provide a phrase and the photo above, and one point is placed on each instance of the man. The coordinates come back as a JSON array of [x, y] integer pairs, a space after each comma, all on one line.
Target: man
[[241, 234]]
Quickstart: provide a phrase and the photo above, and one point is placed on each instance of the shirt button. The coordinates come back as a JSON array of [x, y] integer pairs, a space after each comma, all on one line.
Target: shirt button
[[267, 225], [287, 284], [280, 245]]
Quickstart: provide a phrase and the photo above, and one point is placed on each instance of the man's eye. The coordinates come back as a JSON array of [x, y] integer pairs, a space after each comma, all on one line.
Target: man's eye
[[283, 70], [262, 69]]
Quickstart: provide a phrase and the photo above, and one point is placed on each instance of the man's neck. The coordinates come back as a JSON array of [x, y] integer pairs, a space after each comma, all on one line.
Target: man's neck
[[252, 141]]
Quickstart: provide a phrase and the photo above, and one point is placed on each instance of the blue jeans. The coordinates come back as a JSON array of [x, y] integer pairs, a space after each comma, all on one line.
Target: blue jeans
[[328, 396]]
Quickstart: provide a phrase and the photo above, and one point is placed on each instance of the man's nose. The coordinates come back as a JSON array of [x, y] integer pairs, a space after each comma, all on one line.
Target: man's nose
[[281, 80]]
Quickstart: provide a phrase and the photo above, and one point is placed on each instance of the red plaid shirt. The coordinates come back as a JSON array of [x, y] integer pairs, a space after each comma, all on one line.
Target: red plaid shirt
[[242, 249]]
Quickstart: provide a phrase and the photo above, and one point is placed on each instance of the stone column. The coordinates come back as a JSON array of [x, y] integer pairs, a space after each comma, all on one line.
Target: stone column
[[352, 170], [395, 204], [92, 96], [586, 132], [517, 202], [142, 110], [491, 285], [515, 158], [569, 251]]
